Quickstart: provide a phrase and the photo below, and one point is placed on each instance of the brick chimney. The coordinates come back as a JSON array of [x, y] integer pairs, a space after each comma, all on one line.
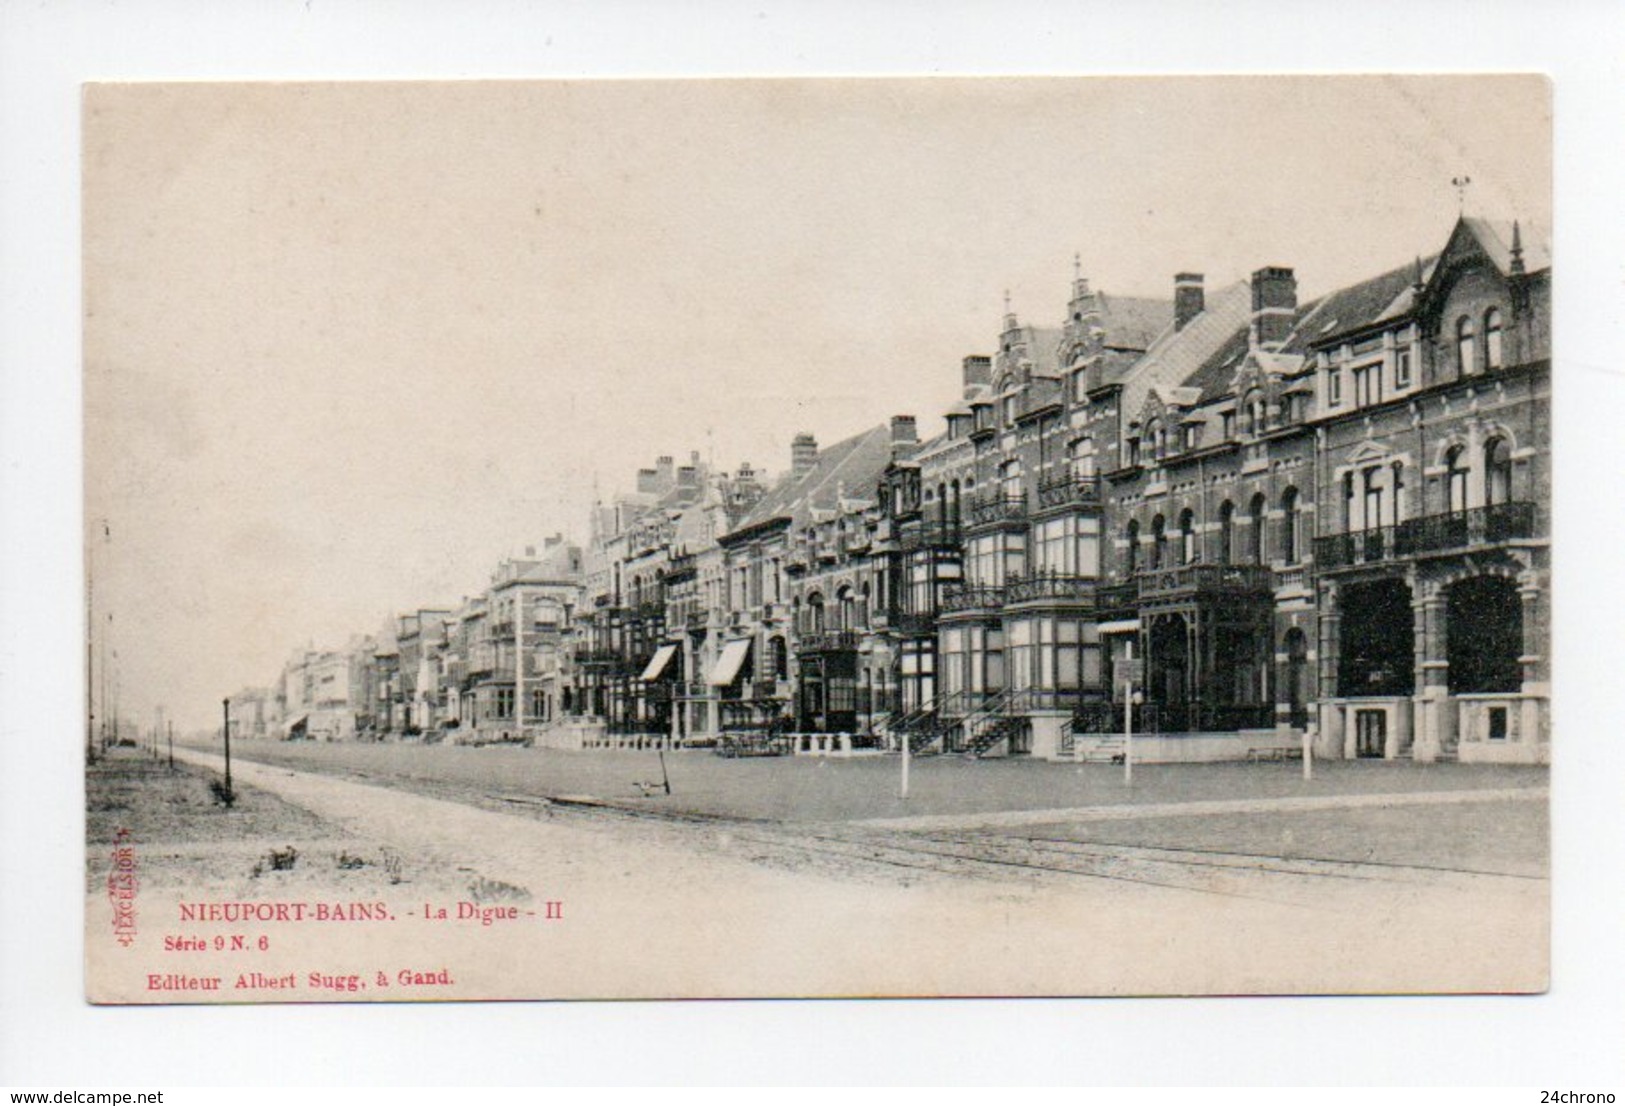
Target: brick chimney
[[803, 455], [664, 466], [1275, 303], [904, 430], [1189, 301], [978, 371]]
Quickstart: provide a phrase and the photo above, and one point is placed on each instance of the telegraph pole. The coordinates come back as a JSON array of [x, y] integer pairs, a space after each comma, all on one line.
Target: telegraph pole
[[225, 708], [171, 746]]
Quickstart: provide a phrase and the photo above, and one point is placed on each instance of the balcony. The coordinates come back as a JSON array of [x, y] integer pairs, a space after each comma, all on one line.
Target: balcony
[[769, 689], [929, 535], [1205, 579], [828, 641], [857, 542], [598, 657], [1050, 587], [1068, 491], [1116, 597], [994, 509], [972, 597], [649, 610], [1427, 535], [697, 620], [915, 623]]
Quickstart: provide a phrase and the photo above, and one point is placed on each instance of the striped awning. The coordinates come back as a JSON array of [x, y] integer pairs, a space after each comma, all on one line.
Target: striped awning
[[731, 661], [658, 662]]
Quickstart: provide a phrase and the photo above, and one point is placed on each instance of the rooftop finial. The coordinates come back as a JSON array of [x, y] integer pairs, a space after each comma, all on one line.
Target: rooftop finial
[[1416, 276], [1077, 266], [1007, 301], [1461, 184], [1517, 247]]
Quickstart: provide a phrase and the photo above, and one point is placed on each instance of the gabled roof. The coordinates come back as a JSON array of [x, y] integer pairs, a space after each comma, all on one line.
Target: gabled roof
[[1389, 295], [1495, 235], [1133, 322], [855, 464], [1177, 355]]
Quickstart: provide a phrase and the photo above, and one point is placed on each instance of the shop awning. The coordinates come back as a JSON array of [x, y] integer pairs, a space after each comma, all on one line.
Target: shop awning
[[293, 725], [658, 662], [731, 661], [1121, 626]]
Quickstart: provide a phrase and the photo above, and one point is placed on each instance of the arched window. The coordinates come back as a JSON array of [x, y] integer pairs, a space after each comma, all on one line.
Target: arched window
[[1010, 479], [1081, 455], [942, 504], [863, 606], [1131, 555], [1159, 542], [1289, 526], [1255, 552], [1466, 345], [1187, 537], [1492, 338], [1227, 532], [780, 658], [954, 514], [815, 613], [1456, 478], [846, 607], [1153, 437], [1497, 472]]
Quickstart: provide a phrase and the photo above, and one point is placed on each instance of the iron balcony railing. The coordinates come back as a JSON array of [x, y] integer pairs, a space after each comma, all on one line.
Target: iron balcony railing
[[928, 535], [1049, 586], [972, 597], [1068, 491], [1116, 597], [915, 623], [993, 509], [827, 641], [1429, 534], [1201, 578]]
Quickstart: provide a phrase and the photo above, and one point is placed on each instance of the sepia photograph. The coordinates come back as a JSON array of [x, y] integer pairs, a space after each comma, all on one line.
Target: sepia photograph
[[916, 537]]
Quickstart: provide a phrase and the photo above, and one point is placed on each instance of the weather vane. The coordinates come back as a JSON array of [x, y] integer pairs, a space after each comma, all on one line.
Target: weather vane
[[1461, 184]]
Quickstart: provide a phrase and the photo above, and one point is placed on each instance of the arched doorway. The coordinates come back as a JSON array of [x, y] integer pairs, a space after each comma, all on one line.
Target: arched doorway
[[1377, 640], [1168, 671], [1484, 635]]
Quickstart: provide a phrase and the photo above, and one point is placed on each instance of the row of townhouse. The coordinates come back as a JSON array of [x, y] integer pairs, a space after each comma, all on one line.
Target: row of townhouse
[[1256, 516], [1253, 518], [438, 673]]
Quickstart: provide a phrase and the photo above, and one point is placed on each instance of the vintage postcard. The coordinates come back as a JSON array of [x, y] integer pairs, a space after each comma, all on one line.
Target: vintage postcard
[[843, 537]]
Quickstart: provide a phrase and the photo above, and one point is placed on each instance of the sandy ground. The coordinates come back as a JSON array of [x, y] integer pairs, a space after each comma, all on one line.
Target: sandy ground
[[610, 904]]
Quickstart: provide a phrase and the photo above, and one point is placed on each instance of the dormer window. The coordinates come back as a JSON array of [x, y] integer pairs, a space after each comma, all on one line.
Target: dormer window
[[1227, 425], [1402, 368], [1334, 387], [1134, 451], [1010, 410], [1492, 338]]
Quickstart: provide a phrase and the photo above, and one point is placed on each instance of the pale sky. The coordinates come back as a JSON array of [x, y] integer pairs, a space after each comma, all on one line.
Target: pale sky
[[349, 345]]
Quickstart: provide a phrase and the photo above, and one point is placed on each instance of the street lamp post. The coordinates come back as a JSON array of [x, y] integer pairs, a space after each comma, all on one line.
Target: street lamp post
[[225, 708]]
